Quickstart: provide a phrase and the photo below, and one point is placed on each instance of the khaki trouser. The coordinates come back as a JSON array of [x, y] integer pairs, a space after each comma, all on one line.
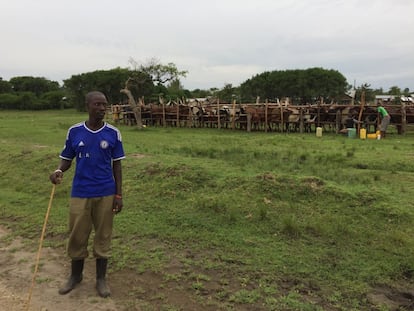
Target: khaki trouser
[[86, 213]]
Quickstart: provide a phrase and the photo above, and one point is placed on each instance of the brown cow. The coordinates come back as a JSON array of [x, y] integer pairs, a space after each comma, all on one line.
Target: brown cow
[[257, 114]]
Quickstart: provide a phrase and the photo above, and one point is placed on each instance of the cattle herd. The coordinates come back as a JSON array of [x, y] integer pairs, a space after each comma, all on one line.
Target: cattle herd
[[268, 117]]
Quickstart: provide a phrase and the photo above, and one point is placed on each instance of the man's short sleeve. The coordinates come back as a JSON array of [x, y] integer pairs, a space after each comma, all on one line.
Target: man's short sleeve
[[118, 152], [68, 153]]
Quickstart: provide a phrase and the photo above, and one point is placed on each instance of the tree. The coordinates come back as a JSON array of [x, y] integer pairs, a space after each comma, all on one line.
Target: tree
[[155, 72], [9, 101], [159, 73], [5, 86], [302, 85], [110, 82], [54, 100], [394, 90], [367, 90], [140, 84], [226, 93], [36, 85], [176, 90], [198, 93]]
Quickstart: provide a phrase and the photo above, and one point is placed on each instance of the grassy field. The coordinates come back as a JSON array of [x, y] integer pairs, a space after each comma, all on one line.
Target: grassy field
[[226, 220]]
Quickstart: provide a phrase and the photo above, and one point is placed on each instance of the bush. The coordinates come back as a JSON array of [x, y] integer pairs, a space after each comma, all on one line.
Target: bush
[[26, 101], [29, 101], [53, 100], [8, 101], [19, 101]]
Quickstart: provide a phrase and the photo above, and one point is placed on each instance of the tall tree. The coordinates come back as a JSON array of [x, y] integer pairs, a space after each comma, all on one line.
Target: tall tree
[[36, 85], [369, 93], [303, 85], [176, 89], [227, 93], [159, 73], [394, 90], [153, 71], [110, 82]]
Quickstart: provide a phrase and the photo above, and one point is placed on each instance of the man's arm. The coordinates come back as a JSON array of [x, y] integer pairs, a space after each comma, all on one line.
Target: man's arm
[[117, 168], [117, 171]]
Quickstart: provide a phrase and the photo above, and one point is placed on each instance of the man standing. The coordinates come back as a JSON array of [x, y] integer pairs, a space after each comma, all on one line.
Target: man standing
[[96, 189], [385, 119]]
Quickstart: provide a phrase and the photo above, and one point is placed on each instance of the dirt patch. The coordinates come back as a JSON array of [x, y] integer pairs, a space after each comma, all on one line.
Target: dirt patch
[[137, 155], [393, 298], [131, 291], [16, 273], [176, 288]]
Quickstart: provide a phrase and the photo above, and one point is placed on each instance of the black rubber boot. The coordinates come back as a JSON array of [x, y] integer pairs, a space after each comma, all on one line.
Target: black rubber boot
[[75, 277], [101, 287]]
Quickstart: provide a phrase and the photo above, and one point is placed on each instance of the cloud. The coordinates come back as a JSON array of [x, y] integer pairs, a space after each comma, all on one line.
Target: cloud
[[217, 42]]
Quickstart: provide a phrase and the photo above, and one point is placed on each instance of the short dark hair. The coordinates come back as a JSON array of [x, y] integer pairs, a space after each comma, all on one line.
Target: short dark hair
[[91, 94]]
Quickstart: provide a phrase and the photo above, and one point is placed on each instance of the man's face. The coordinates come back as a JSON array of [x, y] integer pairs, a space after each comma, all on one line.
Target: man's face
[[97, 107]]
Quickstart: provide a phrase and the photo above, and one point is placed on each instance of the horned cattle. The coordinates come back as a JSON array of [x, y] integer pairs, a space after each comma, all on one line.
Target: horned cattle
[[301, 119], [275, 117]]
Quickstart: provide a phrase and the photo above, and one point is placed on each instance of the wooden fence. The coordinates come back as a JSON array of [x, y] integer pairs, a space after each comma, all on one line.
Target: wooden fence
[[262, 116]]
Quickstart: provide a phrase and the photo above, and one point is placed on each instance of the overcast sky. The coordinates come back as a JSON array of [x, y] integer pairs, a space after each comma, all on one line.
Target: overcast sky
[[216, 41]]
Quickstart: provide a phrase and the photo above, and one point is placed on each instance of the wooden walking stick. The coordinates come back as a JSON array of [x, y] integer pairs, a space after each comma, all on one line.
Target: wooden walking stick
[[40, 245]]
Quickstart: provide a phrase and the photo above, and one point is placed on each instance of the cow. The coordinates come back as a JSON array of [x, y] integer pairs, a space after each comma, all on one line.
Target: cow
[[277, 116], [257, 116], [300, 116]]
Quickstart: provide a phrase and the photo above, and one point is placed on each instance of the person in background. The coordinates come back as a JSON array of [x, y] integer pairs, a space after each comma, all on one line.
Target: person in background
[[96, 189], [385, 119], [349, 124]]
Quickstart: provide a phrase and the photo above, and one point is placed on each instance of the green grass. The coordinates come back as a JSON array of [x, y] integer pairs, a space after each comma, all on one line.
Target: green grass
[[274, 221]]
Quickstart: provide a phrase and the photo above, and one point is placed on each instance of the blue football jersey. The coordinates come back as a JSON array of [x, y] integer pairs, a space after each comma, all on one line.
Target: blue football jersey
[[94, 152]]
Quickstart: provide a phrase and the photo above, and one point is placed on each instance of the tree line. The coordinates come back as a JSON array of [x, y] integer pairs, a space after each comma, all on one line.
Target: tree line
[[154, 79]]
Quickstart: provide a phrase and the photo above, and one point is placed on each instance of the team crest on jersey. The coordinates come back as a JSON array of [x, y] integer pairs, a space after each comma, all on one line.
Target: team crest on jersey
[[104, 144]]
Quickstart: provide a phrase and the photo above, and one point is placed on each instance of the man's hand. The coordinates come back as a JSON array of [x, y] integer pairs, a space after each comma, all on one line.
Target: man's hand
[[56, 177], [117, 206]]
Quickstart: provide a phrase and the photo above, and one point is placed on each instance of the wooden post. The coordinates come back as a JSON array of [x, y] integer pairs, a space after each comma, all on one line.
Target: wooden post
[[164, 123], [178, 114], [281, 117], [361, 109], [249, 122], [301, 125], [218, 113], [403, 118], [319, 111], [190, 116], [233, 119], [338, 120], [266, 120]]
